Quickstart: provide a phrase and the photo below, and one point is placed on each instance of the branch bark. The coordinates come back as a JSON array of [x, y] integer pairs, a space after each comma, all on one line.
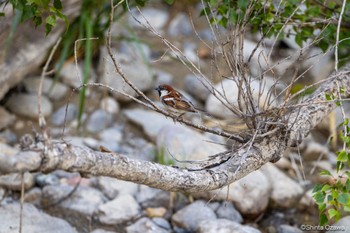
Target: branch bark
[[220, 170]]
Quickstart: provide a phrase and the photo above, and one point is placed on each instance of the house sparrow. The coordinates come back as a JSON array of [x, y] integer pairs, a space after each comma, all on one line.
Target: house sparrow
[[176, 102]]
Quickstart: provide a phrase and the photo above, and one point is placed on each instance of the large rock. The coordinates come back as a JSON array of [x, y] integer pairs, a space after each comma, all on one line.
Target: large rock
[[192, 216], [27, 105], [54, 90], [343, 225], [224, 226], [135, 70], [6, 118], [34, 221], [14, 181], [122, 209], [285, 191], [180, 26], [155, 17], [229, 90]]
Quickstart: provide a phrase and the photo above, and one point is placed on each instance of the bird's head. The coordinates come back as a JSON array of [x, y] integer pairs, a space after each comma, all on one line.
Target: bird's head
[[164, 89]]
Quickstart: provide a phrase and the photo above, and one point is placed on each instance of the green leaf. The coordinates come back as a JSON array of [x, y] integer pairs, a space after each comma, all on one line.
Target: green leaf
[[342, 156], [57, 4], [317, 188], [344, 198], [51, 20], [339, 166], [325, 173], [319, 197], [2, 14], [332, 213], [323, 219], [326, 187], [169, 1]]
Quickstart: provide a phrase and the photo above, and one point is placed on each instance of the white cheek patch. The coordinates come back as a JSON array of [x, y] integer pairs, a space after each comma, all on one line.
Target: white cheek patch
[[163, 93], [168, 99]]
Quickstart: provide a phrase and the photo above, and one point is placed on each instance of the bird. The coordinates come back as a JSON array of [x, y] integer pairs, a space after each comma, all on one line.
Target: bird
[[176, 102]]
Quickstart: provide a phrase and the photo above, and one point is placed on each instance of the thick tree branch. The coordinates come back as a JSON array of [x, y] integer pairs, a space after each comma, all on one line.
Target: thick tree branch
[[218, 171]]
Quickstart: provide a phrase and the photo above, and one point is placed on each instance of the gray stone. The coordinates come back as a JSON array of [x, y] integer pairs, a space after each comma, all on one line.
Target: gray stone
[[196, 88], [33, 196], [102, 231], [138, 50], [14, 181], [343, 225], [7, 136], [162, 77], [151, 197], [114, 134], [110, 105], [288, 229], [34, 221], [71, 75], [285, 191], [112, 187], [229, 89], [258, 62], [54, 90], [180, 26], [314, 150], [185, 144], [46, 179], [2, 193], [162, 222], [27, 105], [145, 225], [157, 18], [84, 201], [192, 216], [98, 121], [228, 211], [8, 150], [64, 114], [6, 118], [224, 226], [142, 77], [250, 195], [122, 209]]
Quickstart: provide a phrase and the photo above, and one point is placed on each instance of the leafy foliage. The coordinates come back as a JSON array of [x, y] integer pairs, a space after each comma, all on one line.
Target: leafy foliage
[[333, 198], [313, 21]]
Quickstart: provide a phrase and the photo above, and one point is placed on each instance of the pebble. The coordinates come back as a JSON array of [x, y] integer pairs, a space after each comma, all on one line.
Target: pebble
[[155, 212], [180, 25], [145, 225], [71, 76], [64, 114], [113, 134], [46, 179], [162, 77], [163, 223], [102, 231], [8, 150], [196, 88], [288, 229], [98, 121], [112, 187], [151, 197], [14, 181], [6, 118], [285, 191], [33, 196], [343, 225], [34, 220], [193, 216], [27, 105], [120, 210], [156, 17], [227, 210], [7, 136], [109, 105], [54, 90], [223, 226]]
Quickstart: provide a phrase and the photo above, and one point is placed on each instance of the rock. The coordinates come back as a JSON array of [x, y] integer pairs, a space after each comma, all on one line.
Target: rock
[[27, 105], [71, 75], [102, 231], [145, 225], [112, 187], [54, 90], [259, 62], [137, 50], [7, 150], [285, 191], [84, 201], [184, 144], [33, 196], [229, 89], [196, 88], [250, 195], [46, 179], [314, 150], [6, 118], [228, 211], [163, 223], [322, 64], [190, 51], [307, 200], [151, 197], [64, 114], [113, 134], [33, 220], [288, 229], [284, 164], [2, 193], [14, 181], [109, 105], [122, 209], [343, 225], [157, 18], [180, 26], [138, 148], [98, 121], [155, 212], [7, 136], [192, 216], [223, 226], [162, 77], [150, 121], [141, 77]]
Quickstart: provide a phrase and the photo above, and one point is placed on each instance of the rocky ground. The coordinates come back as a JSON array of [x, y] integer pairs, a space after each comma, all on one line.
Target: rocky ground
[[275, 198]]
